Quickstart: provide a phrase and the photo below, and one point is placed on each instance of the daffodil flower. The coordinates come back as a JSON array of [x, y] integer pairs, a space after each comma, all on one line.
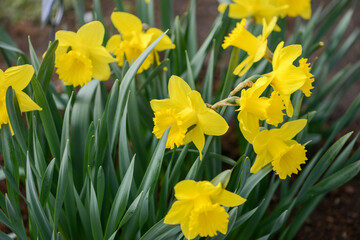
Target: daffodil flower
[[276, 147], [295, 8], [254, 108], [199, 208], [287, 78], [256, 47], [80, 56], [18, 78], [133, 40], [258, 9], [188, 116]]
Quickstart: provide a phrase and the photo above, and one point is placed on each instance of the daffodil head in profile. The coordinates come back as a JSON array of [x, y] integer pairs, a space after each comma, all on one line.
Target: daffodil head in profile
[[276, 146], [80, 56], [133, 40], [199, 208], [188, 116], [254, 107], [256, 47], [288, 78], [18, 78]]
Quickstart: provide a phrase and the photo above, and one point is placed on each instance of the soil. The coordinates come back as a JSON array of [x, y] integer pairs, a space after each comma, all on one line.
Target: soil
[[336, 217]]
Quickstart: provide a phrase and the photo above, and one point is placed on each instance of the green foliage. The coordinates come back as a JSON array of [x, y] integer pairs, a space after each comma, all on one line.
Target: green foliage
[[96, 171]]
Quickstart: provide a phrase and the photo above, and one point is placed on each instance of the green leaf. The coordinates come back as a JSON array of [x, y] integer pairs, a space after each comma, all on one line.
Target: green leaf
[[47, 120], [15, 119], [223, 178], [161, 229], [33, 57], [253, 180], [120, 201], [96, 228], [323, 164], [132, 209], [47, 66], [130, 74], [46, 183], [84, 215], [35, 206], [15, 219], [337, 179], [152, 172], [65, 134], [62, 184]]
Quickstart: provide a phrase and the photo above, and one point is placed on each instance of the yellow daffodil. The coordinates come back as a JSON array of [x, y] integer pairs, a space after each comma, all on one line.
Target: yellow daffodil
[[287, 78], [258, 9], [18, 78], [188, 116], [133, 40], [80, 56], [254, 108], [276, 147], [256, 47], [199, 210], [295, 8]]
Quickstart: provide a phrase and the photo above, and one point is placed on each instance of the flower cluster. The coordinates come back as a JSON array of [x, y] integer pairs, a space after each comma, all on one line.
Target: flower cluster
[[267, 9], [272, 146]]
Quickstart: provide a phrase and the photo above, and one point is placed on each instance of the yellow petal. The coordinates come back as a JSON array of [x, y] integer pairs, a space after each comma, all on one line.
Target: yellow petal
[[26, 104], [126, 22], [261, 161], [227, 198], [164, 44], [157, 105], [179, 212], [212, 123], [291, 129], [235, 11], [66, 38], [196, 136], [100, 59], [18, 77], [249, 125], [92, 33], [186, 189], [113, 43], [179, 89]]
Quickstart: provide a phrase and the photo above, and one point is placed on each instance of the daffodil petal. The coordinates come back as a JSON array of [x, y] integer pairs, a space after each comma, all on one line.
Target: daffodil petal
[[179, 89], [186, 189], [179, 212], [249, 125], [157, 105], [26, 104], [164, 44], [227, 198], [291, 129], [92, 33], [18, 77], [212, 123], [261, 161], [196, 136], [113, 43], [126, 22], [66, 38]]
